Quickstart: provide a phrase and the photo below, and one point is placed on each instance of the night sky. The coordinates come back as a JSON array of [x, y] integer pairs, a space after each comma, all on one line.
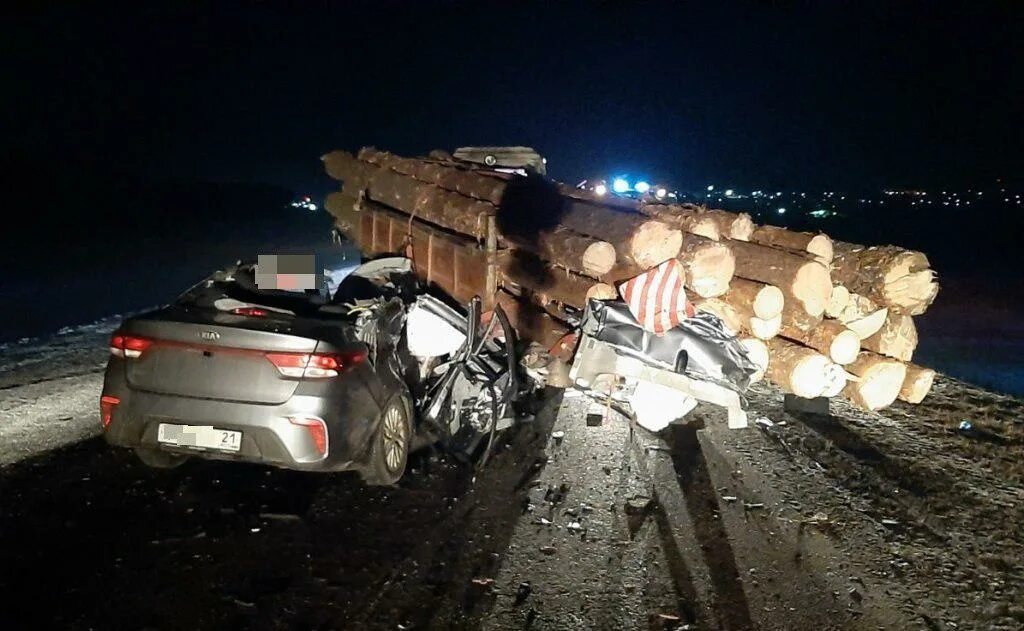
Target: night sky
[[852, 95]]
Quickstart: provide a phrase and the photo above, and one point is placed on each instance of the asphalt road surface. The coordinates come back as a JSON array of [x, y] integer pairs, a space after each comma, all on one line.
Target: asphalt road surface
[[894, 521]]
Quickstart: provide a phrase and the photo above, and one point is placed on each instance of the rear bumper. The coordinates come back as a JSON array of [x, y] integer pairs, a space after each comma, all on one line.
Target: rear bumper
[[268, 437]]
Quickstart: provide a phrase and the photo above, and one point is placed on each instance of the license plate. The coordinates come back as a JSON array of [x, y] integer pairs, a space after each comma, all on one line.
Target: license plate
[[199, 437]]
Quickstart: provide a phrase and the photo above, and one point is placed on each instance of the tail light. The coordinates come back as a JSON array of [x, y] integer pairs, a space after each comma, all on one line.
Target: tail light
[[314, 365], [255, 312], [317, 429], [130, 346], [107, 405]]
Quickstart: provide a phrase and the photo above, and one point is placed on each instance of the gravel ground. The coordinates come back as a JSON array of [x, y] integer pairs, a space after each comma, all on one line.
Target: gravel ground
[[897, 520]]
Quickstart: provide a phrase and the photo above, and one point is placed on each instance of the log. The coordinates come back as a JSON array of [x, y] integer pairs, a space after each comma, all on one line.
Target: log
[[797, 369], [916, 384], [888, 275], [741, 305], [862, 316], [879, 382], [576, 252], [757, 352], [738, 226], [709, 265], [726, 312], [830, 337], [765, 329], [804, 281], [548, 283], [763, 301], [819, 245], [896, 338], [687, 217], [638, 239], [837, 301], [836, 379]]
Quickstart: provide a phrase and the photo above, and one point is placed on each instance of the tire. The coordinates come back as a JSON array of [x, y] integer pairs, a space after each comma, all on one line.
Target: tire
[[389, 449], [158, 459]]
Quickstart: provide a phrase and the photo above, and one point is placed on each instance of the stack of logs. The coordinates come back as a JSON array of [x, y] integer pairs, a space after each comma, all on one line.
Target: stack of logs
[[820, 317]]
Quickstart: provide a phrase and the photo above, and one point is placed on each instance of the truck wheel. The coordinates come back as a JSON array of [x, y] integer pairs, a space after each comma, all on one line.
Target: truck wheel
[[158, 459], [389, 450]]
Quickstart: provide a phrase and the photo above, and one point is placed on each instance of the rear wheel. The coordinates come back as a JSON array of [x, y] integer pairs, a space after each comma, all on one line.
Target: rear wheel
[[158, 459], [389, 450]]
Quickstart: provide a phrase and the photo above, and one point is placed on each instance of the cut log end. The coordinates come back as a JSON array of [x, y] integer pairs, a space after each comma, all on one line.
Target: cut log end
[[917, 384], [880, 380], [812, 287], [821, 246], [602, 291], [837, 301], [742, 227], [599, 258], [757, 352], [710, 269], [765, 328], [654, 242], [844, 347]]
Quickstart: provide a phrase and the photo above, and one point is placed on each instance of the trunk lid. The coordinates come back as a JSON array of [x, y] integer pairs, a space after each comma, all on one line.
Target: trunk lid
[[220, 360]]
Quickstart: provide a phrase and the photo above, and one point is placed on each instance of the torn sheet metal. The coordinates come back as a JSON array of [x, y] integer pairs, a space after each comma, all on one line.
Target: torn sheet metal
[[700, 347], [596, 358]]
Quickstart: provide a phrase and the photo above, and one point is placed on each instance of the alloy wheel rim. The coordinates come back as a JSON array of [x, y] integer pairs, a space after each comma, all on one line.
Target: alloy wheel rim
[[394, 438]]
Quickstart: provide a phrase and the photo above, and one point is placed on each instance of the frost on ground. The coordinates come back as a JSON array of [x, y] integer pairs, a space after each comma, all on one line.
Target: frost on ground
[[50, 388]]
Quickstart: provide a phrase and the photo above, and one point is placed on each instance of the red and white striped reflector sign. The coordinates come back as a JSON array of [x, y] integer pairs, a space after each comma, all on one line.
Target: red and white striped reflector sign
[[656, 298]]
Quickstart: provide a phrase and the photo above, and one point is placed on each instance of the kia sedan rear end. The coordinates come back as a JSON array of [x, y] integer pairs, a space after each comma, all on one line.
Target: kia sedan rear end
[[228, 372]]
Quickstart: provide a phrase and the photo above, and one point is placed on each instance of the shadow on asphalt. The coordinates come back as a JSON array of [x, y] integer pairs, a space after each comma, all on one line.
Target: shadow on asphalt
[[90, 538]]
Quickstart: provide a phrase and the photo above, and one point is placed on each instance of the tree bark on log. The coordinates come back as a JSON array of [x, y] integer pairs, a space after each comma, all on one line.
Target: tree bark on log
[[818, 245], [896, 338], [709, 265], [737, 226], [549, 283], [917, 384], [797, 369], [687, 217], [888, 275], [576, 252], [637, 238], [880, 380], [804, 281], [830, 337], [763, 301]]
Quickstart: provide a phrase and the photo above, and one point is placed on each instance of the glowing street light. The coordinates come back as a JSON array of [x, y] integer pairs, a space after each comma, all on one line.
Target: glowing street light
[[781, 211], [642, 187], [601, 189], [660, 193], [620, 185]]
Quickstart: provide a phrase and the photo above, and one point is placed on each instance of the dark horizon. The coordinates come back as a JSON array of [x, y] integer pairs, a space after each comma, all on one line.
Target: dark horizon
[[794, 95]]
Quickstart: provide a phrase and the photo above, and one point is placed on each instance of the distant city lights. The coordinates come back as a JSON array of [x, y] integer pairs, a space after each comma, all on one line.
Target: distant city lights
[[781, 211], [601, 189], [660, 193], [642, 187], [620, 185]]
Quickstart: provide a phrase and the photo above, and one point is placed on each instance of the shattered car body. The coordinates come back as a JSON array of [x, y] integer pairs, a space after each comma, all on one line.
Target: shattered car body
[[307, 381], [662, 377]]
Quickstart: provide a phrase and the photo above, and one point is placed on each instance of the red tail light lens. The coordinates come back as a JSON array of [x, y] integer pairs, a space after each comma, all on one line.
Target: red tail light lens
[[317, 429], [107, 405], [130, 346], [254, 312], [314, 365]]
